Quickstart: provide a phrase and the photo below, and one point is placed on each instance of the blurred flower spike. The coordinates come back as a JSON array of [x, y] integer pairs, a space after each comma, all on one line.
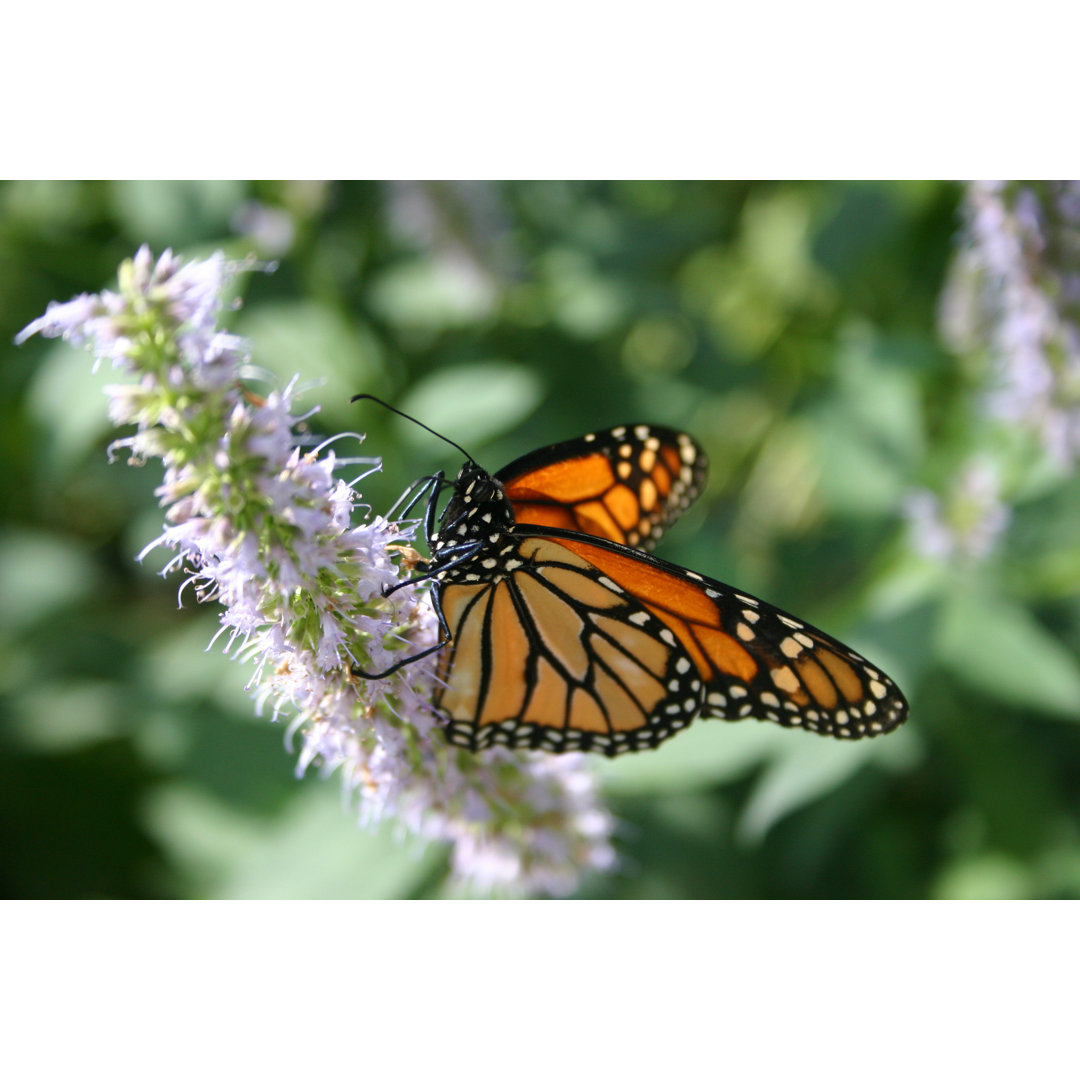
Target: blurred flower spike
[[1015, 292], [265, 529], [1011, 307]]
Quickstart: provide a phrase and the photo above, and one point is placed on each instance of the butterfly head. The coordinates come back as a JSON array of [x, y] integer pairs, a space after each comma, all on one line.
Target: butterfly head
[[478, 508]]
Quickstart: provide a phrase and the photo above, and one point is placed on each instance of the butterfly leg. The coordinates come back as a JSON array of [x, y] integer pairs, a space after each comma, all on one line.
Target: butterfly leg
[[460, 554], [426, 485], [431, 485], [444, 637], [362, 674]]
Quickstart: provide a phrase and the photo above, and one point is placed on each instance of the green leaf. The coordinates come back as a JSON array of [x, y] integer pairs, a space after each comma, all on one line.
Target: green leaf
[[316, 342], [472, 402], [704, 755], [67, 401], [987, 876], [61, 718], [869, 430], [181, 664], [798, 777], [1000, 649], [175, 213], [40, 574], [583, 302], [808, 767], [428, 296], [313, 850]]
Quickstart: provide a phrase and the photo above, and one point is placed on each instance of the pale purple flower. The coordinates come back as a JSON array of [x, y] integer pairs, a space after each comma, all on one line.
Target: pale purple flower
[[85, 320], [462, 224], [1015, 290], [71, 320], [265, 529], [271, 228]]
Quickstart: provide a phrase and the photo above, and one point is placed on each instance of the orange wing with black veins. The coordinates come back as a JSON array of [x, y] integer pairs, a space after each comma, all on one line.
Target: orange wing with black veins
[[626, 485]]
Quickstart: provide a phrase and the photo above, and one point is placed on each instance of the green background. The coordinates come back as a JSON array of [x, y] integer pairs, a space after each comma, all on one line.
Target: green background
[[792, 328]]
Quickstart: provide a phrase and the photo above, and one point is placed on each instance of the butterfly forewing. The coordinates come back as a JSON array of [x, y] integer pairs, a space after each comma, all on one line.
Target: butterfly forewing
[[754, 660], [627, 484]]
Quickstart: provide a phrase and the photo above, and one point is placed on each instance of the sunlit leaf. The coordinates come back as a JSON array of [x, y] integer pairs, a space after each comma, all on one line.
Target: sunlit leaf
[[66, 379], [39, 573], [471, 402], [805, 768], [585, 303], [989, 876], [173, 213], [61, 718], [703, 756], [317, 850], [334, 357], [184, 664], [313, 850], [431, 295], [998, 648]]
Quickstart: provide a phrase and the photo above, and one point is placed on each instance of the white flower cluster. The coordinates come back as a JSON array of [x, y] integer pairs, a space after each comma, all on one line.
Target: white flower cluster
[[265, 529]]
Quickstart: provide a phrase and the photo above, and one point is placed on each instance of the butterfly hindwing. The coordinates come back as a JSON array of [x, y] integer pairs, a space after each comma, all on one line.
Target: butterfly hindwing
[[627, 484], [552, 655], [579, 643]]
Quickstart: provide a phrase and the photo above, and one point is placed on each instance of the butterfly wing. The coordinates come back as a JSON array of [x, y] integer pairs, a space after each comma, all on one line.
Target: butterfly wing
[[626, 485], [580, 644]]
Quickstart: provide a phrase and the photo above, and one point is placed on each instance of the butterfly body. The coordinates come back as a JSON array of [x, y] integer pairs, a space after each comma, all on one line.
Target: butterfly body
[[479, 518], [563, 632]]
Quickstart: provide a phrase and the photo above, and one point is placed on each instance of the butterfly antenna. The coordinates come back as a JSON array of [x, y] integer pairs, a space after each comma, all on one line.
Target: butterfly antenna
[[412, 419]]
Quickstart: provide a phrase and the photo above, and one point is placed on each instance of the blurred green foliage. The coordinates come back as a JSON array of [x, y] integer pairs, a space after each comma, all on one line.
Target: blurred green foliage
[[792, 328]]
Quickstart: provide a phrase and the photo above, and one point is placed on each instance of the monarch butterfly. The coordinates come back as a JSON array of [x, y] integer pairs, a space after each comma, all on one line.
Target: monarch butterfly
[[562, 632]]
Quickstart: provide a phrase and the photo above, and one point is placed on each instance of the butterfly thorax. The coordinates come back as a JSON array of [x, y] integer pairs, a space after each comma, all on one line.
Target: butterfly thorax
[[476, 522]]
